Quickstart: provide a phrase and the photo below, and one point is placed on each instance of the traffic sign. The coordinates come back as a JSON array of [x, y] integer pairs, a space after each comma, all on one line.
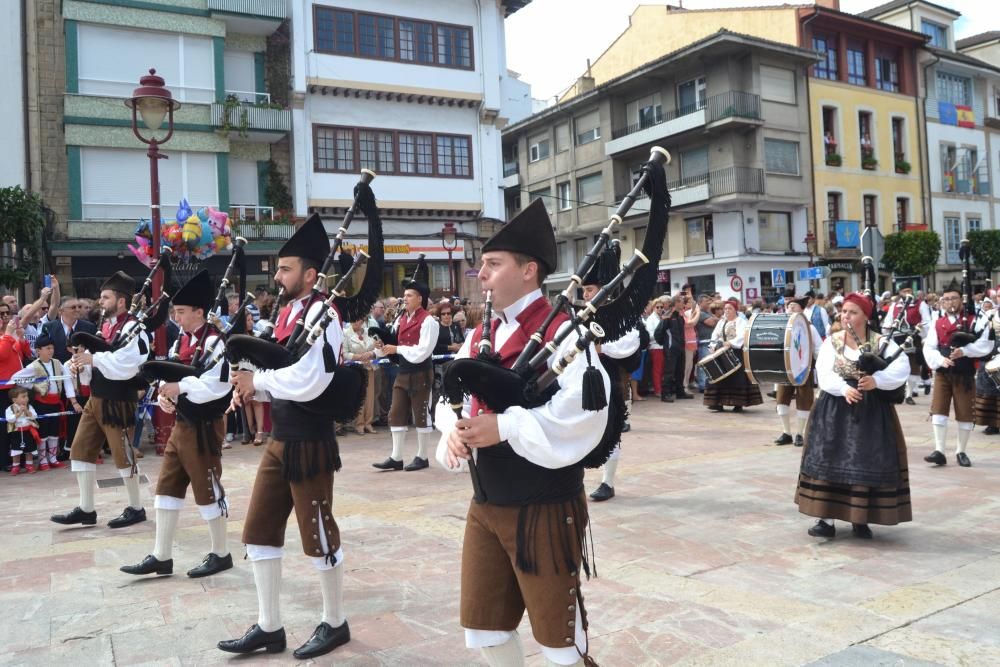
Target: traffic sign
[[751, 293], [731, 271], [872, 244], [813, 273], [778, 278], [736, 284]]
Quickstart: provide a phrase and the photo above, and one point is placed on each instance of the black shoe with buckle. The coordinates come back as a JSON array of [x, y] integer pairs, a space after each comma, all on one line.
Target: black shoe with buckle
[[783, 439], [799, 441], [254, 640], [602, 493], [389, 464], [861, 530], [963, 460], [822, 529], [324, 639], [213, 564], [416, 464], [909, 401], [150, 565], [128, 517], [937, 458], [76, 515]]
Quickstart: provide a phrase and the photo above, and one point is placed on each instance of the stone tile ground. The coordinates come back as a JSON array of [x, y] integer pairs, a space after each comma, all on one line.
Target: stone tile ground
[[702, 560]]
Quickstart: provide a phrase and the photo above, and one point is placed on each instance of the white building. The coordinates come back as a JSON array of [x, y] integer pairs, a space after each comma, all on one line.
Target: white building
[[12, 105], [418, 93]]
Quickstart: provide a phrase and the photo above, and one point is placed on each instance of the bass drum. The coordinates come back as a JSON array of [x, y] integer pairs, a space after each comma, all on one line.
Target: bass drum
[[720, 364], [778, 349]]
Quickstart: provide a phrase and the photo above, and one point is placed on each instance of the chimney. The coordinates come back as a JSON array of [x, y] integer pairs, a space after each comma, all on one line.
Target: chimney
[[829, 4], [584, 84]]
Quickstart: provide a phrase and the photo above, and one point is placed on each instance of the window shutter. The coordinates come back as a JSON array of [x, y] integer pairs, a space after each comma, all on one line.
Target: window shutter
[[777, 84]]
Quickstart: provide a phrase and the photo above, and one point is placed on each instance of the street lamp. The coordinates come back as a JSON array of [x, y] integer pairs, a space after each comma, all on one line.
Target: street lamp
[[153, 102], [810, 241], [449, 241]]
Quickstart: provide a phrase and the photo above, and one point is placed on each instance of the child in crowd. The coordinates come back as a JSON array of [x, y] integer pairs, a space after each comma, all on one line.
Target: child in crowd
[[52, 394], [22, 430]]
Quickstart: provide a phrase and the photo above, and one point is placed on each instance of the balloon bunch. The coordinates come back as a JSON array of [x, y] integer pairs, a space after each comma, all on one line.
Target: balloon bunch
[[192, 235]]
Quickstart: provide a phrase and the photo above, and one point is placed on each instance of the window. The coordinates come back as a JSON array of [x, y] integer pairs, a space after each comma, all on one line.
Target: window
[[538, 148], [562, 194], [691, 96], [363, 35], [870, 206], [965, 170], [240, 73], [827, 46], [830, 130], [345, 149], [856, 64], [777, 84], [775, 231], [887, 71], [545, 194], [899, 139], [564, 257], [865, 135], [562, 137], [699, 235], [645, 111], [973, 225], [952, 239], [694, 166], [588, 128], [949, 163], [902, 213], [243, 183], [580, 247], [440, 278], [833, 205], [590, 188], [938, 33], [781, 157], [954, 89]]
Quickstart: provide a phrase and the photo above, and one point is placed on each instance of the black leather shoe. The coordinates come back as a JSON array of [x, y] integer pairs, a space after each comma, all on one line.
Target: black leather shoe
[[861, 530], [603, 492], [667, 398], [626, 428], [685, 395], [128, 517], [927, 389], [416, 464], [324, 639], [937, 458], [783, 439], [991, 430], [254, 640], [213, 564], [799, 441], [737, 408], [389, 464], [822, 529], [150, 565], [772, 394], [76, 515], [909, 401], [716, 408], [963, 460]]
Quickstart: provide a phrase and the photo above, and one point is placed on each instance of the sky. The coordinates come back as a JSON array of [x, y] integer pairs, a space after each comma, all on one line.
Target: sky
[[570, 31]]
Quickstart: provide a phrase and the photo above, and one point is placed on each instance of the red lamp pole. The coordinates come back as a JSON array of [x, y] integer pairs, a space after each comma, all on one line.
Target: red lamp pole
[[449, 241]]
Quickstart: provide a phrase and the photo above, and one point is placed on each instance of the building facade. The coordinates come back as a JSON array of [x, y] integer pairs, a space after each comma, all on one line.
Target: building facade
[[732, 111], [417, 93]]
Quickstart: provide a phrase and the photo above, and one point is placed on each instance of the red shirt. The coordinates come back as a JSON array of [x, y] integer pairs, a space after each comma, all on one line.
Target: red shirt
[[12, 351]]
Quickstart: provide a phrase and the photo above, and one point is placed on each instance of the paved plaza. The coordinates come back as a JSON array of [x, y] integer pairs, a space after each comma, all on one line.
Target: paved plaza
[[702, 560]]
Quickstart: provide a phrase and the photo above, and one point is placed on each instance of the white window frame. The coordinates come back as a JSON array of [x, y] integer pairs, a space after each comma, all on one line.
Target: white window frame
[[700, 93], [535, 150], [951, 249], [596, 177], [775, 140], [563, 196], [589, 135]]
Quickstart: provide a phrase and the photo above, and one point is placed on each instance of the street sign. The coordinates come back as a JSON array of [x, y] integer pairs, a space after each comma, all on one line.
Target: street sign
[[736, 284], [872, 244], [778, 278], [731, 271], [751, 293], [813, 273]]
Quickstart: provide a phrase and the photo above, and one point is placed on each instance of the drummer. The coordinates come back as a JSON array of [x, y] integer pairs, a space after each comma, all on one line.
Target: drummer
[[805, 393], [914, 324], [735, 390]]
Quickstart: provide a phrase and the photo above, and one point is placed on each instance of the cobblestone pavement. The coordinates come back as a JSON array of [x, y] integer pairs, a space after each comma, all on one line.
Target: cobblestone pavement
[[702, 560]]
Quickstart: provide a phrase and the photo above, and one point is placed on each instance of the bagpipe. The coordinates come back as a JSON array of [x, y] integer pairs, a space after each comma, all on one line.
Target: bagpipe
[[146, 319], [344, 396], [389, 334], [871, 359], [531, 382], [967, 333]]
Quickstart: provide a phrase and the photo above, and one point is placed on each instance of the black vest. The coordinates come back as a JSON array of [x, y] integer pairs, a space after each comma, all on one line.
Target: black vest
[[509, 479]]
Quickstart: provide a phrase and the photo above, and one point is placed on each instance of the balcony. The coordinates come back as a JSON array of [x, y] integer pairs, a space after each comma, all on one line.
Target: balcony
[[722, 110], [843, 238], [511, 177], [251, 122], [253, 17], [734, 183]]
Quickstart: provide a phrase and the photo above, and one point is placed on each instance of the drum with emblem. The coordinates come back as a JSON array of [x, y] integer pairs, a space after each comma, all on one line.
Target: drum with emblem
[[720, 364], [778, 349]]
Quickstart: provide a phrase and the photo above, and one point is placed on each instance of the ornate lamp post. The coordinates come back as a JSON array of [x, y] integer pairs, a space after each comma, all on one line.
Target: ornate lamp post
[[153, 102], [810, 241], [449, 241]]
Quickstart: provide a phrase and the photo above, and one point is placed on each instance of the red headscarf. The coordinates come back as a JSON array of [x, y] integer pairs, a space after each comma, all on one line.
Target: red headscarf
[[734, 303], [861, 301]]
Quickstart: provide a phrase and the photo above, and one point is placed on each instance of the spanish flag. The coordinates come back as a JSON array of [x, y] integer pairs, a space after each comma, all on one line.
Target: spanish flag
[[966, 118]]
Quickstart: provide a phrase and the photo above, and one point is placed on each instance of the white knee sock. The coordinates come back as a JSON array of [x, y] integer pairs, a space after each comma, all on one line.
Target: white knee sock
[[217, 531], [508, 654], [166, 527], [86, 480], [610, 468], [786, 419], [131, 487], [802, 416], [51, 443], [267, 577], [423, 438], [964, 431], [912, 384], [331, 585], [940, 433], [398, 438]]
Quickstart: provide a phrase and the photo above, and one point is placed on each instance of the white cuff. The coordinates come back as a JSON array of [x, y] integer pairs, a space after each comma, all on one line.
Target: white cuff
[[168, 503], [486, 638], [965, 426], [939, 420], [322, 564], [209, 512], [264, 552], [82, 466]]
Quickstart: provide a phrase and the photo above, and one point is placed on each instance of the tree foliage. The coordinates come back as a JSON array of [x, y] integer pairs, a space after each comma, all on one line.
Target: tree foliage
[[912, 253], [985, 246], [22, 221]]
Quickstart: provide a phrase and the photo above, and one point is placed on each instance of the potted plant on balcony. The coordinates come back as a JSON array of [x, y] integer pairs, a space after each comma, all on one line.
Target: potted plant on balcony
[[869, 162], [833, 159], [902, 166], [234, 117]]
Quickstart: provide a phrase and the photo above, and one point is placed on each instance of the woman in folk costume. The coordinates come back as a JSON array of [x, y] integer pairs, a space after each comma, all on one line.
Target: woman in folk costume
[[854, 462], [735, 390]]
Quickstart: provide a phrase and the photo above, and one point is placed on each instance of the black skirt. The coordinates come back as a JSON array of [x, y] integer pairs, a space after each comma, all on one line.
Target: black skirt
[[48, 427]]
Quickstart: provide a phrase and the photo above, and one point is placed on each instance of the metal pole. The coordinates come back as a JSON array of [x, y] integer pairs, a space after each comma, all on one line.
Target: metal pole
[[451, 275], [162, 423]]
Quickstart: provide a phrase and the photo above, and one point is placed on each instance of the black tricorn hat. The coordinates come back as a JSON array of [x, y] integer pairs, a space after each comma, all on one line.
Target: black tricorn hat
[[309, 241], [953, 286], [803, 301], [528, 233], [419, 281], [196, 292], [120, 282], [606, 267]]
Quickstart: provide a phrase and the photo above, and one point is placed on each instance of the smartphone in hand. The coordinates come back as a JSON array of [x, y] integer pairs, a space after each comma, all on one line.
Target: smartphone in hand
[[47, 280]]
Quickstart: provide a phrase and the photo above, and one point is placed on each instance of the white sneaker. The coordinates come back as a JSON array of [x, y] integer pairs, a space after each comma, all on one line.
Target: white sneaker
[[230, 437]]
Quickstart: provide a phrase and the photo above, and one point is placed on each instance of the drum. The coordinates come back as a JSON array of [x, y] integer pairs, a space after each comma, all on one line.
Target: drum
[[720, 364], [778, 349], [992, 370]]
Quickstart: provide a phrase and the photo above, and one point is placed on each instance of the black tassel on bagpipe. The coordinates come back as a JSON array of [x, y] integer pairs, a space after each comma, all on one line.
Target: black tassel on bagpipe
[[594, 397]]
